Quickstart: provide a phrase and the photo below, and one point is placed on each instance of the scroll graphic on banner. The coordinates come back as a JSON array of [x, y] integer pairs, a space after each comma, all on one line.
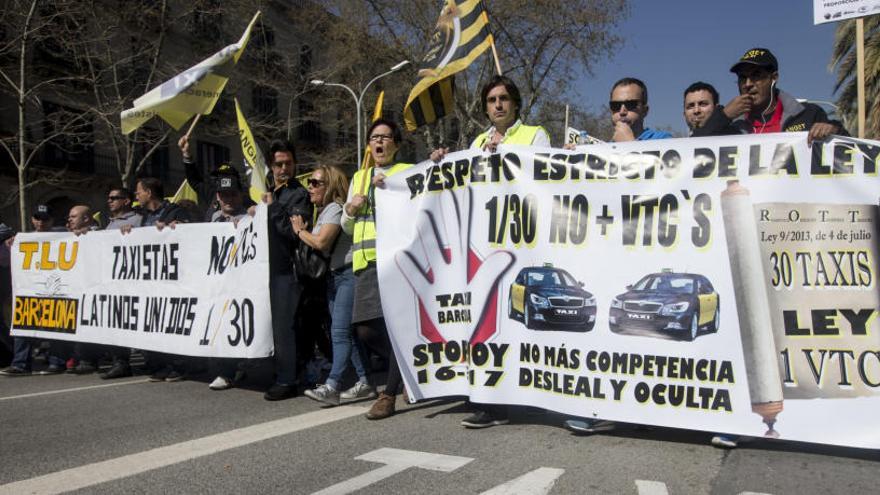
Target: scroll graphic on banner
[[724, 284], [197, 290]]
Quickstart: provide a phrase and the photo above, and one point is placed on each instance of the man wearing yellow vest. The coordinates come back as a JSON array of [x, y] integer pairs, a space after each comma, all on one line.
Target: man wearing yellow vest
[[359, 220], [502, 103]]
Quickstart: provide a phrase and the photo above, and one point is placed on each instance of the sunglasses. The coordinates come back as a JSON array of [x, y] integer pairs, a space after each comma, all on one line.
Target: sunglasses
[[315, 183], [630, 105]]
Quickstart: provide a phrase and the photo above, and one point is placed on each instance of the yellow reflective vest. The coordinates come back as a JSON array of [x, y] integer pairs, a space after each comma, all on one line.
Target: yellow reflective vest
[[363, 248], [520, 134]]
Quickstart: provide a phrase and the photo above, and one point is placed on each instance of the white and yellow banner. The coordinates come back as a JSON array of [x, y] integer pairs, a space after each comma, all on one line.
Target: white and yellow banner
[[198, 289], [722, 284], [193, 91]]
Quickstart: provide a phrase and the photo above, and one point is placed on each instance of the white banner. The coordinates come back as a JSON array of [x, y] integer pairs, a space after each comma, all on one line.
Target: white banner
[[721, 284], [839, 10], [198, 290]]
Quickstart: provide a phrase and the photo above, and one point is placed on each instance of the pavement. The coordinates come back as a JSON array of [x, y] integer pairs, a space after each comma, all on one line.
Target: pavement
[[81, 434]]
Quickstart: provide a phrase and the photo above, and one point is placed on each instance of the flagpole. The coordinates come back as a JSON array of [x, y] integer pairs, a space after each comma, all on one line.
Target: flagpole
[[495, 56], [193, 125], [860, 73], [565, 131]]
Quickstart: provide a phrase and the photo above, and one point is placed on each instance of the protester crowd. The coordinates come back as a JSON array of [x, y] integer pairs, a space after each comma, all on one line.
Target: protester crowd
[[339, 315]]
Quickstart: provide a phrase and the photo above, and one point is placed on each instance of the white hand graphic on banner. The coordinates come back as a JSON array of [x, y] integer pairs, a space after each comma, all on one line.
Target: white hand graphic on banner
[[455, 288]]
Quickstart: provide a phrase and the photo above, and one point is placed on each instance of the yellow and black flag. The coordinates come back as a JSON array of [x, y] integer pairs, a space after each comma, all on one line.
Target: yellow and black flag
[[461, 35]]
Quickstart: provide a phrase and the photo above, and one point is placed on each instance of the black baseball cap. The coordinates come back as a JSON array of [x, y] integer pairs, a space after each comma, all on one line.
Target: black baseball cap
[[42, 212], [5, 232], [226, 178], [760, 57]]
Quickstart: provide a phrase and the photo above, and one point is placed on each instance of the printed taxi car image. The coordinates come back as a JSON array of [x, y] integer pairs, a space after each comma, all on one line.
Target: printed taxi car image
[[675, 304], [550, 298]]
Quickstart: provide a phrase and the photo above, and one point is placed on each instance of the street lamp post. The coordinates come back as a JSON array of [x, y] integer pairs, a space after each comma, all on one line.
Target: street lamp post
[[358, 100]]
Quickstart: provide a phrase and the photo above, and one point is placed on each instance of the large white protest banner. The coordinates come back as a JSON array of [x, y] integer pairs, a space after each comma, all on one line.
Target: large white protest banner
[[198, 289], [840, 10], [723, 284]]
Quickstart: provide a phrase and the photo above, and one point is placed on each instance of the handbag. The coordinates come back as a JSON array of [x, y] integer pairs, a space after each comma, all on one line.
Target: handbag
[[309, 262]]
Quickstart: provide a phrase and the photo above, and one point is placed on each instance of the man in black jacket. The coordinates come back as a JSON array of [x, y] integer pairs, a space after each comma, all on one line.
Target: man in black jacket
[[762, 108], [287, 198], [154, 208]]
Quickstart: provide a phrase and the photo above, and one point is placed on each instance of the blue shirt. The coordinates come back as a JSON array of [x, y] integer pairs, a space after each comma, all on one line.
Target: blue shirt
[[649, 134]]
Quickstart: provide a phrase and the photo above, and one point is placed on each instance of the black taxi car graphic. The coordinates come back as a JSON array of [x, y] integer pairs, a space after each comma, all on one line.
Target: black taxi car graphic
[[679, 304], [550, 298]]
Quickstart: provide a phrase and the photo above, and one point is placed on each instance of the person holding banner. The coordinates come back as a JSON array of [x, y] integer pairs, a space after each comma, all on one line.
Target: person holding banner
[[328, 190], [155, 209], [629, 107], [159, 212], [22, 359], [119, 201], [288, 198], [358, 220], [761, 107], [502, 102], [230, 208]]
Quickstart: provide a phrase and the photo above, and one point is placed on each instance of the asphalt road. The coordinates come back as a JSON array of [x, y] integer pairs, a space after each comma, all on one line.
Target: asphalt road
[[79, 433]]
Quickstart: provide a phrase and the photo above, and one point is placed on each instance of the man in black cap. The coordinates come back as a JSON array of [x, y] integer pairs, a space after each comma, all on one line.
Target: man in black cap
[[230, 208], [43, 221], [229, 196], [761, 107]]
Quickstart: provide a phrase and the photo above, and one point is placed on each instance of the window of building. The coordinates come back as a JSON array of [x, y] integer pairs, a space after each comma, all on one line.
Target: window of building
[[305, 60], [309, 127], [265, 101], [72, 144], [210, 154]]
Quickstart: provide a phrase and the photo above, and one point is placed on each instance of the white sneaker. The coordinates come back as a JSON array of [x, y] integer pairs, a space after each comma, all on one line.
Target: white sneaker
[[220, 383], [323, 393], [360, 390], [725, 441]]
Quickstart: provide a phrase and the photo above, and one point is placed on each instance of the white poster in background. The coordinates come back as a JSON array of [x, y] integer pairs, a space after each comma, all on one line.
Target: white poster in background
[[576, 136], [839, 10], [722, 284], [198, 290]]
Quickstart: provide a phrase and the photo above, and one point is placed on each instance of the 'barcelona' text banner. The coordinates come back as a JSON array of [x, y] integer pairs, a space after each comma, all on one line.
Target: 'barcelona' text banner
[[197, 290], [724, 284]]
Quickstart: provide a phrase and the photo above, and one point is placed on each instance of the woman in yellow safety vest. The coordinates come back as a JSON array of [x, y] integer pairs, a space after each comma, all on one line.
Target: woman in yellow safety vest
[[358, 220]]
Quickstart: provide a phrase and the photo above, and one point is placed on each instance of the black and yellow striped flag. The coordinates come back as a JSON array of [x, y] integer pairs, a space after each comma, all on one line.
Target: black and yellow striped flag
[[461, 35]]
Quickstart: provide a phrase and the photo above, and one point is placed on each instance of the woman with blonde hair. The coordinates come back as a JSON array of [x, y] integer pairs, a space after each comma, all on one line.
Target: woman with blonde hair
[[328, 190]]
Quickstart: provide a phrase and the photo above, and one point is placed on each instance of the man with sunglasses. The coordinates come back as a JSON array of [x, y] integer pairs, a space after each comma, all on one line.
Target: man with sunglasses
[[119, 204], [629, 107], [122, 216], [761, 107], [287, 198]]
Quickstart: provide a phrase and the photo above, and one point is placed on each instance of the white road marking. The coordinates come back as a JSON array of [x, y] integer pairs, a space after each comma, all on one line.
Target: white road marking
[[646, 487], [395, 460], [537, 482], [75, 389], [122, 467]]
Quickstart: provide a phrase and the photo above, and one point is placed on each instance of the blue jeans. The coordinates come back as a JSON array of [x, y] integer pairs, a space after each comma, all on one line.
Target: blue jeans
[[21, 350], [340, 297]]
